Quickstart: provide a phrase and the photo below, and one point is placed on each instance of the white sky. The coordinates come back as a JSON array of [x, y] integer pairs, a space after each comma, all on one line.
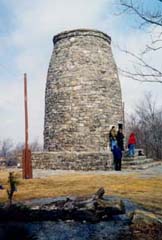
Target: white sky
[[26, 32]]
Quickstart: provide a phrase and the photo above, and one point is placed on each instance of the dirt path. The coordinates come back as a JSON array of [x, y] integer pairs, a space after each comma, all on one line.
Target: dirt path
[[151, 172], [41, 173]]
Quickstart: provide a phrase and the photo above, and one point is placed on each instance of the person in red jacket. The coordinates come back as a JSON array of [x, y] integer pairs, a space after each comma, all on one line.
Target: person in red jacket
[[131, 144]]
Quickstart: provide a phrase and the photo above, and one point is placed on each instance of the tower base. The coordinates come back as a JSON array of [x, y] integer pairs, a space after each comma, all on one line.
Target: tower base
[[84, 161]]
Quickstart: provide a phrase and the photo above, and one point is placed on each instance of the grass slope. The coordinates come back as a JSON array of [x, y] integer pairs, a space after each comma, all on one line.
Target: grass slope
[[146, 191]]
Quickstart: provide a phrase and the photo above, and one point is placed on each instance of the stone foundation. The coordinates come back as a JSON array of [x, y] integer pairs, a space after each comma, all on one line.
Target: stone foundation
[[72, 160]]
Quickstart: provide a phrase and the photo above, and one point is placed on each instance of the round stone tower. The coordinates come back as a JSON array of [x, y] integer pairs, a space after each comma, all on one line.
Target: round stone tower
[[83, 94]]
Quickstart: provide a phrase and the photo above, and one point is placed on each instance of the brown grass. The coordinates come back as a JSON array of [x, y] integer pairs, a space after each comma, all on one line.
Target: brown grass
[[146, 191]]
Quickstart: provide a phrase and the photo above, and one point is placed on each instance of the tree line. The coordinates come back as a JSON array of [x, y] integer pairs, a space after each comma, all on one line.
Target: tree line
[[146, 123], [9, 152]]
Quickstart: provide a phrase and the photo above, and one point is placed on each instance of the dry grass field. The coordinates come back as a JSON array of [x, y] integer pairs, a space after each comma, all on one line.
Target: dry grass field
[[146, 191]]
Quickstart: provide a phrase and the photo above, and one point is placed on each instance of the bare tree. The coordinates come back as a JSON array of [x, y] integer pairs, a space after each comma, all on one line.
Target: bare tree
[[6, 146], [15, 155], [36, 146], [148, 127], [149, 18]]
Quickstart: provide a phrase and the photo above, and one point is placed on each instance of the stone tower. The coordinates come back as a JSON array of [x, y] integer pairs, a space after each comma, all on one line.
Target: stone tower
[[82, 101], [83, 94]]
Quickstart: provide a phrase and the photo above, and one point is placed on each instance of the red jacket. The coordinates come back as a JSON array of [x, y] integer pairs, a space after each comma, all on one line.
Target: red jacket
[[132, 139]]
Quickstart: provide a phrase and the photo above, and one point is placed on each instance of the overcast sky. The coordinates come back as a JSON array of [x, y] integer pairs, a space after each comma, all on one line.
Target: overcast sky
[[26, 32]]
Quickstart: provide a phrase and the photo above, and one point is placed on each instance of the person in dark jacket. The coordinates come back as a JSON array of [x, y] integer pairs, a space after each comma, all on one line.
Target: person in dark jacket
[[117, 153], [131, 144], [120, 139]]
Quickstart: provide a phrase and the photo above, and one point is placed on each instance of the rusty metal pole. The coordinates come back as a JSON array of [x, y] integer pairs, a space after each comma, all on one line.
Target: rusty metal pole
[[26, 111], [26, 161]]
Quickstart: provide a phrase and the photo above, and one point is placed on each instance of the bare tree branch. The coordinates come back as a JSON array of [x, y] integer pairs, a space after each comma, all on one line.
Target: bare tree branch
[[143, 70], [145, 64], [148, 17], [130, 75], [149, 48]]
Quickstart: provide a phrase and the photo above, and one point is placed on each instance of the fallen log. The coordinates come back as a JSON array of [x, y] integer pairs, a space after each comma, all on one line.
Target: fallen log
[[90, 208]]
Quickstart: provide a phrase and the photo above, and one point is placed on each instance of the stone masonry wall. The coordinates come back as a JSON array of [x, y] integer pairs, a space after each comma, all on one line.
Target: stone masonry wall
[[83, 94], [72, 160]]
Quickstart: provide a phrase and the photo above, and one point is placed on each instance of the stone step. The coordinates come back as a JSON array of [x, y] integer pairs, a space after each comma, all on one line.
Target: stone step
[[142, 166], [137, 162], [125, 154], [127, 159]]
